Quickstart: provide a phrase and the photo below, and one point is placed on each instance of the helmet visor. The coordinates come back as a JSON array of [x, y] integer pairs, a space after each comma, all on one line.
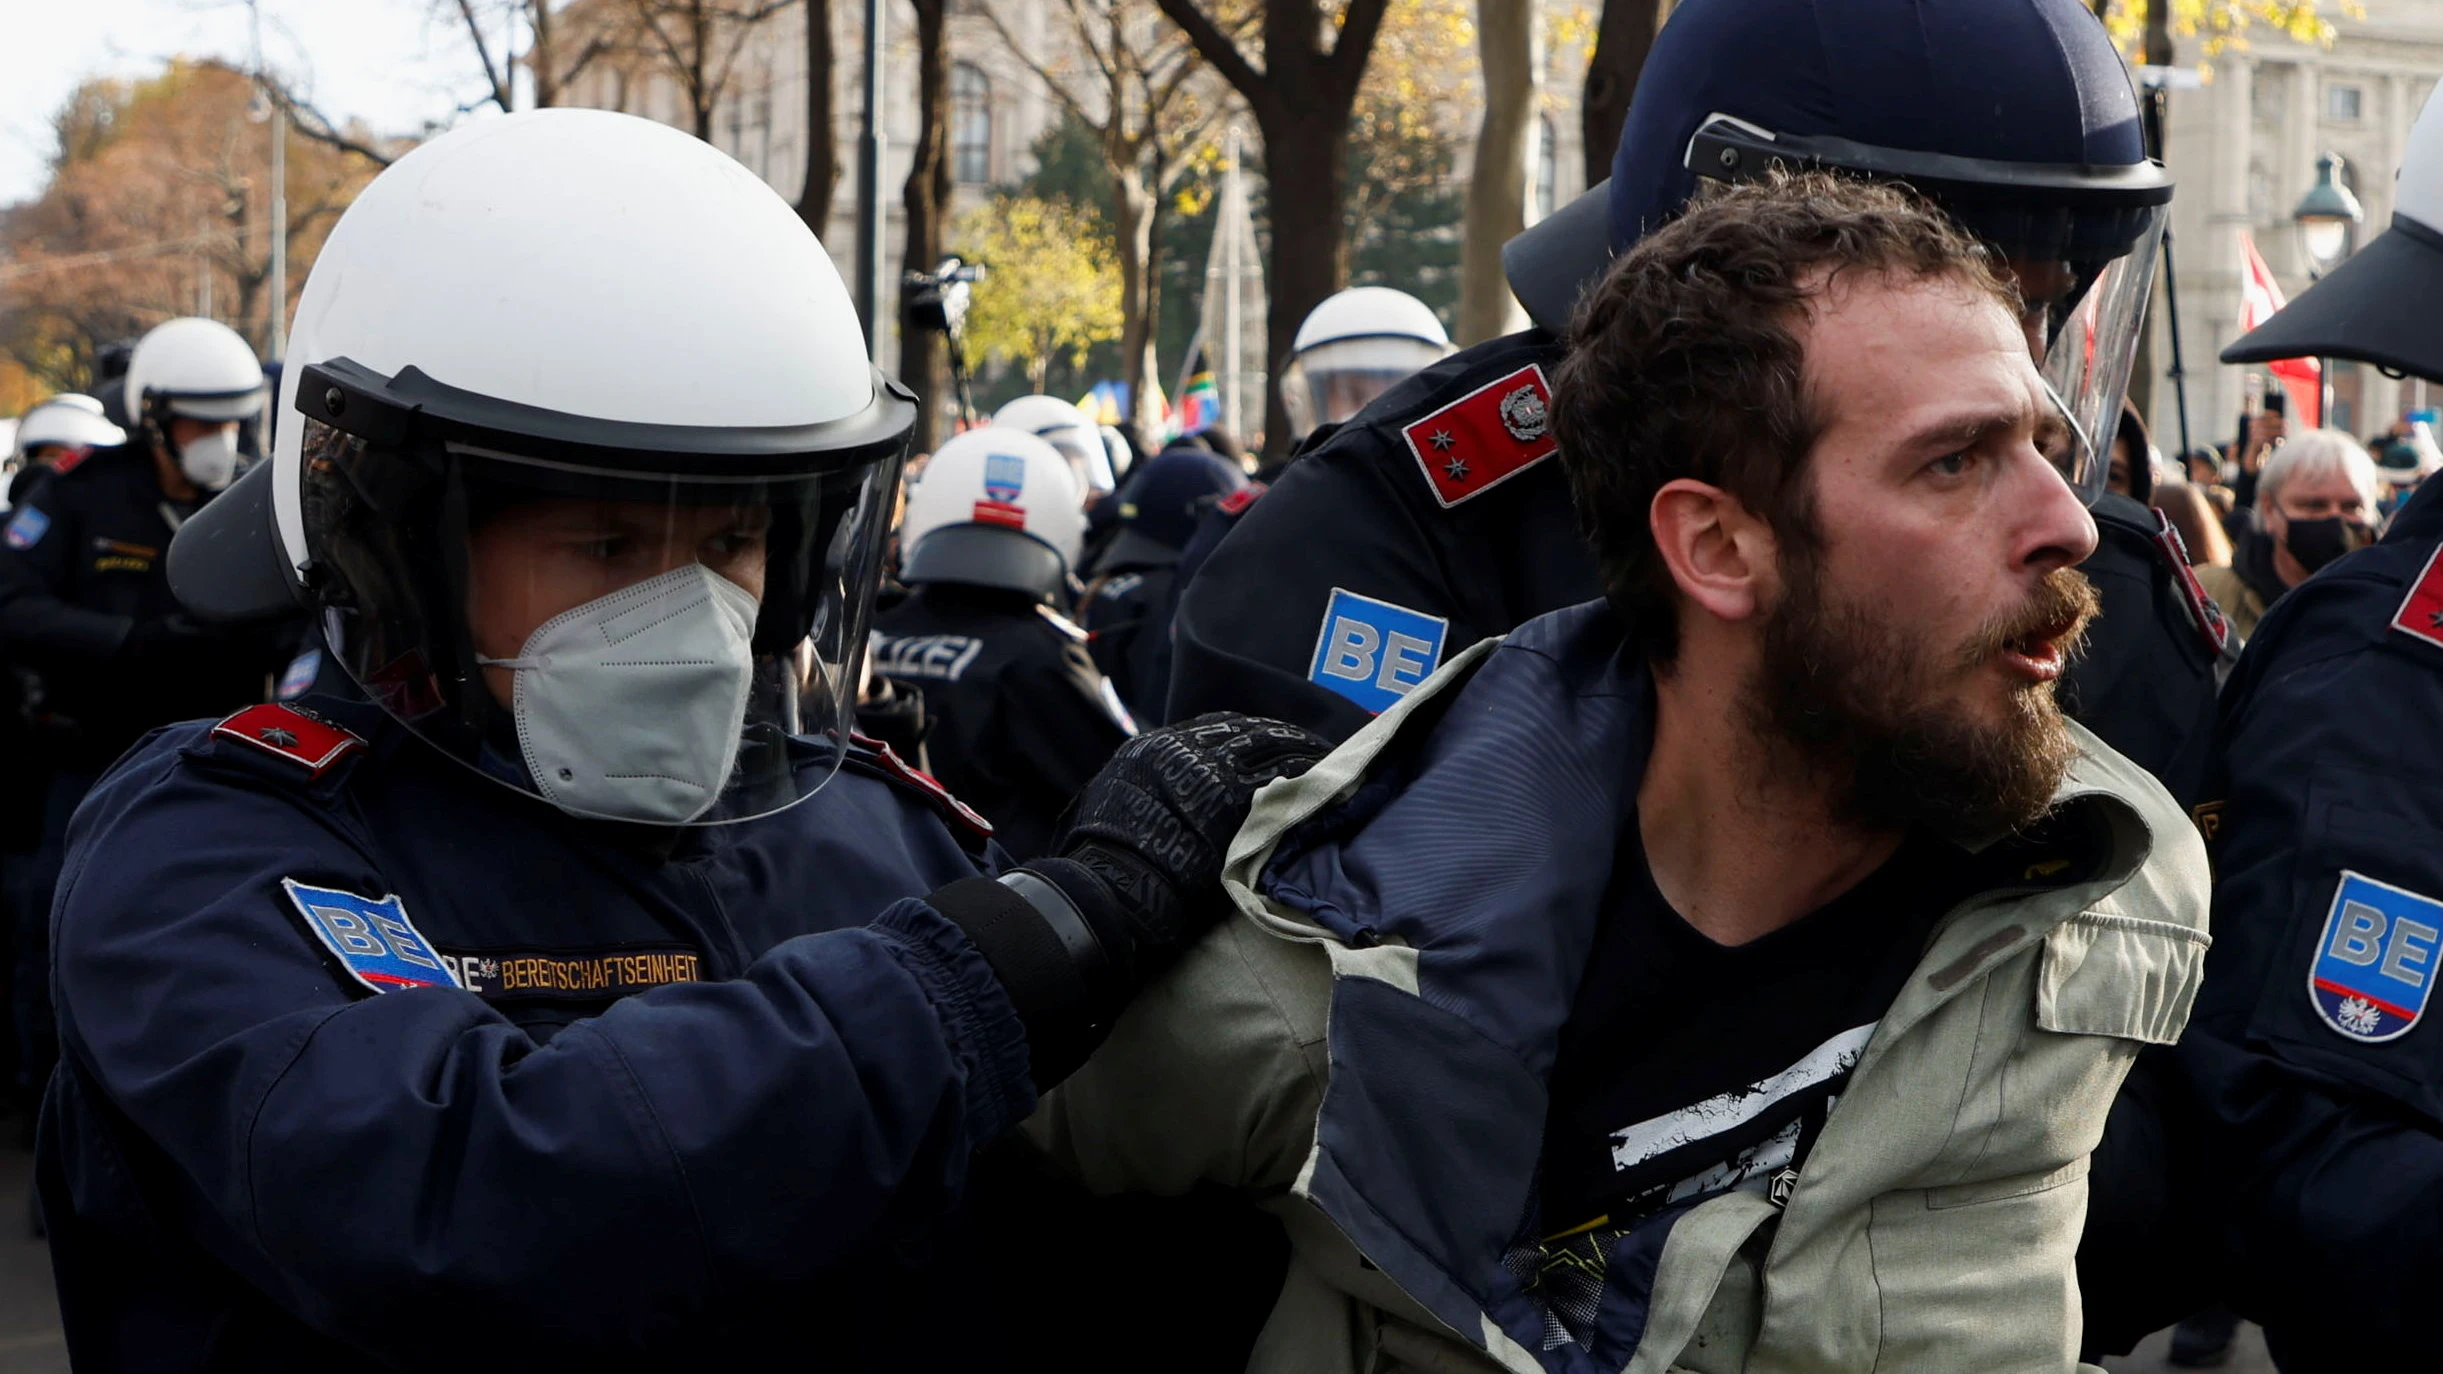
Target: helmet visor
[[2091, 327], [1331, 382], [663, 649]]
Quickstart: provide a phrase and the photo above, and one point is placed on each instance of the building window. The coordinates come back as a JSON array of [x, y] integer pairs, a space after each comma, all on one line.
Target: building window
[[970, 124], [1547, 166], [2342, 103]]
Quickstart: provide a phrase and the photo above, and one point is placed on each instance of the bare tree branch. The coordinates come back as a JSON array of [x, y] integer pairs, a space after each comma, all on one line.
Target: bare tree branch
[[316, 125], [1058, 88], [498, 77], [1221, 51]]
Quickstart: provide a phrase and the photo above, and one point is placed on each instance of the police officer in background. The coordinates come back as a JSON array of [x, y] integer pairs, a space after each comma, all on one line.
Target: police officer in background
[[1436, 517], [2315, 1156], [65, 428], [85, 603], [1127, 609], [1021, 719], [548, 999]]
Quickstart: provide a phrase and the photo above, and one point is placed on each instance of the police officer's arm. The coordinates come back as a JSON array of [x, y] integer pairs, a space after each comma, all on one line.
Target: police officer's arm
[[38, 625], [382, 1164], [2314, 1141], [1251, 633]]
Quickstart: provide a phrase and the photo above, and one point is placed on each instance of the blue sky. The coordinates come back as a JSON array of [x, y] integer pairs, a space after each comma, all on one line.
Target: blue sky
[[393, 63]]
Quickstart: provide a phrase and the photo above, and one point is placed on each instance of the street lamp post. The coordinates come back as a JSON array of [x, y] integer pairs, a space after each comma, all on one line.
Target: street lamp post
[[2327, 218]]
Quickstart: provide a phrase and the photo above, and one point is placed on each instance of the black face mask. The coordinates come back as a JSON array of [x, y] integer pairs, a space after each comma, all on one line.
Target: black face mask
[[2316, 543]]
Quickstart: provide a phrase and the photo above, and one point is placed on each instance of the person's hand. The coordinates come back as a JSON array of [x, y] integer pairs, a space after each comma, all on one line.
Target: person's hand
[[1153, 826], [1135, 880], [2265, 431]]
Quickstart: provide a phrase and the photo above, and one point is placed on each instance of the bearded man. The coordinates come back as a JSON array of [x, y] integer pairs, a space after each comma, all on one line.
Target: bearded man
[[1734, 973]]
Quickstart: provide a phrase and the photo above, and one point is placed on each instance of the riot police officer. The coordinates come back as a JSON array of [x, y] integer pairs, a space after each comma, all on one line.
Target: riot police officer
[[1020, 718], [548, 999], [1435, 517], [67, 427], [1127, 609], [85, 604], [2315, 1155]]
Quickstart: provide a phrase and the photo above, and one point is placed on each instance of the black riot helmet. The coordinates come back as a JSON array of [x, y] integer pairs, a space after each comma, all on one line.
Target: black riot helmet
[[2015, 115]]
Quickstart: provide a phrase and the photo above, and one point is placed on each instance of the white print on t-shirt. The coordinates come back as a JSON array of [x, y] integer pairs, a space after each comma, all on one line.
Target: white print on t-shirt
[[1634, 1145]]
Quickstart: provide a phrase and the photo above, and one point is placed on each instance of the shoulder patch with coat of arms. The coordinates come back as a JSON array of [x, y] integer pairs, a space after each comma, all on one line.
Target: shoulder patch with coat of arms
[[1486, 437], [2421, 612]]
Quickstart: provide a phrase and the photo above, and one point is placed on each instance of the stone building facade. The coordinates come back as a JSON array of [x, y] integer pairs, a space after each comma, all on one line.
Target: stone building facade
[[2243, 148]]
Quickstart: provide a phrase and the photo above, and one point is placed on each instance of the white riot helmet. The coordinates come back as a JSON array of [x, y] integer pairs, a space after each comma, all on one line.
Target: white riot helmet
[[995, 507], [195, 369], [571, 354], [1354, 347], [1116, 451], [69, 420], [1066, 428]]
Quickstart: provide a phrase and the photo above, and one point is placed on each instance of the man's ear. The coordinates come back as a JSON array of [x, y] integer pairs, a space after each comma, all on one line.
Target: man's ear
[[1720, 554]]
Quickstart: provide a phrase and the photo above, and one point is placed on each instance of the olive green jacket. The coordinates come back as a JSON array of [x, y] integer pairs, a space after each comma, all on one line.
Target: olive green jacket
[[1379, 1086]]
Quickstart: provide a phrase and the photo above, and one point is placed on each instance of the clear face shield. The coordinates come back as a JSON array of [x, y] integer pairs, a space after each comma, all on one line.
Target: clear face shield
[[2082, 242], [663, 648], [1332, 381]]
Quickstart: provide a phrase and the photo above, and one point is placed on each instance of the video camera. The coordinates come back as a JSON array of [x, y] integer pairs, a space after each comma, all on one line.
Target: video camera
[[937, 300]]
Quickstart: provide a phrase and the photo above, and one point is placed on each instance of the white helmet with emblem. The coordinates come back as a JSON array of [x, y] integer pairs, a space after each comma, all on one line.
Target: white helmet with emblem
[[1352, 348], [69, 420], [996, 507], [577, 311], [1066, 428]]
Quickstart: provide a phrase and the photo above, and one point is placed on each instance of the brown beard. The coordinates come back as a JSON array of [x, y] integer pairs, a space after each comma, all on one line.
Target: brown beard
[[1860, 700]]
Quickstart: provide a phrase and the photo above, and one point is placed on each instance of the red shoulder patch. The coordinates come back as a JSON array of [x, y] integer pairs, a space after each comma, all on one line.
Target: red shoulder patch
[[308, 741], [924, 782], [2211, 625], [69, 460], [1237, 502], [2421, 612], [1486, 437]]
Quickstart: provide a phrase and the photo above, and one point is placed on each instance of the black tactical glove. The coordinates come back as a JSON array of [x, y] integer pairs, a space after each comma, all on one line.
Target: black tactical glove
[[1136, 881]]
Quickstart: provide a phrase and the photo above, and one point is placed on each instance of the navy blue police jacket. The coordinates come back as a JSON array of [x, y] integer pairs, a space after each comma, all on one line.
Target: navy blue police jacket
[[1437, 516], [2314, 1153], [371, 1063]]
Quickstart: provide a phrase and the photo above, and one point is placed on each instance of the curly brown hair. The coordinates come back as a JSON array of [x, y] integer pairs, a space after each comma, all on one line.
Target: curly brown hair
[[1685, 361]]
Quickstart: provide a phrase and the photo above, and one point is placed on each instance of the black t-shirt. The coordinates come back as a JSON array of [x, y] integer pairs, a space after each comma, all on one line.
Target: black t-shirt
[[1688, 1068]]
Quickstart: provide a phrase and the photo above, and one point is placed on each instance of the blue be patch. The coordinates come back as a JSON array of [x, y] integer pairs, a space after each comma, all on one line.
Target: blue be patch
[[2376, 961], [372, 939], [1373, 652], [27, 529], [299, 677]]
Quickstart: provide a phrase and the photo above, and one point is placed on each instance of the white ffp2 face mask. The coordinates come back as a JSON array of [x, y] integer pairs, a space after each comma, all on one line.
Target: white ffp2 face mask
[[210, 459], [629, 707]]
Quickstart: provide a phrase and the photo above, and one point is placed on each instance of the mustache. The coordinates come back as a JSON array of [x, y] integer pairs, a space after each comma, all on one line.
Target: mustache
[[2057, 611]]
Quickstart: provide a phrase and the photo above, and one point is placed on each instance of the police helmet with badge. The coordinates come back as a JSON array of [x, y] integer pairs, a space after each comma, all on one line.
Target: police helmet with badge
[[189, 385], [996, 507], [1066, 428], [1352, 348]]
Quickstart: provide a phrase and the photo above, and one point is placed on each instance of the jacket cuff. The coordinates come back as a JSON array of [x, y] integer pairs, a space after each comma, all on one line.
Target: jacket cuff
[[982, 1019]]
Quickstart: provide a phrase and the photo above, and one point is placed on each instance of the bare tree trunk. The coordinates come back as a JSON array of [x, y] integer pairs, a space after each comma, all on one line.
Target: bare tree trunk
[[1132, 205], [698, 76], [822, 141], [1622, 41], [927, 198], [1304, 265], [1302, 99], [1510, 41]]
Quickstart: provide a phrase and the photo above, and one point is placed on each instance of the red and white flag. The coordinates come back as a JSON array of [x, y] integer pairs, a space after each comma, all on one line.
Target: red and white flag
[[2259, 297]]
